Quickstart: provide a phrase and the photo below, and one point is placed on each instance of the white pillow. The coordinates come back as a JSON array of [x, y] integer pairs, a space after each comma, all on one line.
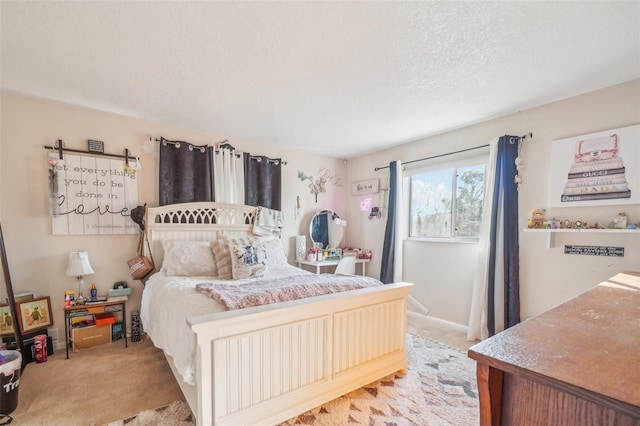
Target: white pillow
[[188, 258], [220, 249], [248, 261], [275, 254]]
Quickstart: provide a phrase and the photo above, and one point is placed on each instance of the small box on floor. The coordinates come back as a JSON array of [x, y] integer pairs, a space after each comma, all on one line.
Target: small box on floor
[[85, 337], [116, 331]]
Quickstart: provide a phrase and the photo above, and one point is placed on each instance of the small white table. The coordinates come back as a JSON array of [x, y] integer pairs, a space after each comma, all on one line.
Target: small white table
[[331, 262]]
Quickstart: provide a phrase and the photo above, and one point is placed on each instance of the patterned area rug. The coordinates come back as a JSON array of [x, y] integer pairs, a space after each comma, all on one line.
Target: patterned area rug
[[177, 413], [439, 389]]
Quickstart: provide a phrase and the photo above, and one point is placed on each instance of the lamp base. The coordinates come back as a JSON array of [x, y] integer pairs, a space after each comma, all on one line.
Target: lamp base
[[80, 299]]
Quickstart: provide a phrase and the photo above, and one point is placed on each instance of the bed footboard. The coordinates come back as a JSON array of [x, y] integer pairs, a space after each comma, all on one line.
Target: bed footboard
[[264, 365]]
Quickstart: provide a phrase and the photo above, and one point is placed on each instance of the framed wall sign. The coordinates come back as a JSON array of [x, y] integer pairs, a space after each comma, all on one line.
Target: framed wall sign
[[594, 250], [95, 146], [371, 186], [596, 169]]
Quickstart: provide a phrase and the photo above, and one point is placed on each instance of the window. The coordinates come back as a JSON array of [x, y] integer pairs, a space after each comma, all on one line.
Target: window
[[447, 203]]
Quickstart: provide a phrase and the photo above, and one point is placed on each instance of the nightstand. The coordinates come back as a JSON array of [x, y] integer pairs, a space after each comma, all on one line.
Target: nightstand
[[77, 311]]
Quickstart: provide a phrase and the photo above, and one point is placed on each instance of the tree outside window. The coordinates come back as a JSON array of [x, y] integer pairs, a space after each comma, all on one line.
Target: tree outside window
[[447, 203]]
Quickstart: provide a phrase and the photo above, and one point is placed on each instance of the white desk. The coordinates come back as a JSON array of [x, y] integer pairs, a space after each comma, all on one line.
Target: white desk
[[324, 263]]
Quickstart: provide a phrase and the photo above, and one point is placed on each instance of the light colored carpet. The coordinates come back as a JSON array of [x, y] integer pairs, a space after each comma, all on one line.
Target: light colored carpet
[[95, 385], [439, 389]]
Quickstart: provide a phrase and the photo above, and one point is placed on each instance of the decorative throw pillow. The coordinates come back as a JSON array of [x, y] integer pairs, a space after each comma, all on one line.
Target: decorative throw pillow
[[220, 249], [188, 258], [275, 254], [248, 261]]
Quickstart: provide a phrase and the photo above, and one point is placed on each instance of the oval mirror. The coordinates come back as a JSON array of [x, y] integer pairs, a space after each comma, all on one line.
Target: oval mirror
[[324, 229]]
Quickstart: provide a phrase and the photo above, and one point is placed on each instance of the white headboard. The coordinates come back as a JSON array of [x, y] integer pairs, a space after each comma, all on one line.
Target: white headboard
[[195, 222]]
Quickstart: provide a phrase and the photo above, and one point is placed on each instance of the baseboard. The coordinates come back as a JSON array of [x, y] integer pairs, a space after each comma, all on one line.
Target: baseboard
[[439, 321]]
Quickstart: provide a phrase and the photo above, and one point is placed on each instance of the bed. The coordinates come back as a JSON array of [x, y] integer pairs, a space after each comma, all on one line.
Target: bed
[[260, 365]]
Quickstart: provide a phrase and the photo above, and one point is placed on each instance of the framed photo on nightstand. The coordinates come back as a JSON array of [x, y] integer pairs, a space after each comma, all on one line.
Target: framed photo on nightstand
[[34, 314]]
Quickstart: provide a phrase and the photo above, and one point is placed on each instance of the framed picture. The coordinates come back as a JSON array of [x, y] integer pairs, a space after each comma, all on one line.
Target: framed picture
[[35, 314], [6, 321], [371, 186], [596, 169]]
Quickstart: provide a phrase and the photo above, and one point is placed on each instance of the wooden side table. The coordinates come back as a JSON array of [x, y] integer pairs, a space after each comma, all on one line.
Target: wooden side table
[[92, 309]]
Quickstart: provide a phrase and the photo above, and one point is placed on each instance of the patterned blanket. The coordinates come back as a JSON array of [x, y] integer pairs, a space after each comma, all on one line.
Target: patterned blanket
[[264, 292]]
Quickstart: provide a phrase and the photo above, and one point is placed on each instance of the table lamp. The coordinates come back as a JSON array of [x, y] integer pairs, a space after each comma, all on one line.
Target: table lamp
[[78, 267]]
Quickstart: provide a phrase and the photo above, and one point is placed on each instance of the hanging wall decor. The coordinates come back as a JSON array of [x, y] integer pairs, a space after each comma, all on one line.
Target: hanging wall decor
[[370, 186], [596, 169], [319, 184], [91, 195]]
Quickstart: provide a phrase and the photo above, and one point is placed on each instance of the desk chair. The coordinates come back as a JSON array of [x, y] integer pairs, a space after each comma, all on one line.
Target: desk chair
[[346, 266]]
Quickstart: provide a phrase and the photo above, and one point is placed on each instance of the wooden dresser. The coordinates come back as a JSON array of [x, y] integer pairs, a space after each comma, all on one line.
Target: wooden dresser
[[576, 364]]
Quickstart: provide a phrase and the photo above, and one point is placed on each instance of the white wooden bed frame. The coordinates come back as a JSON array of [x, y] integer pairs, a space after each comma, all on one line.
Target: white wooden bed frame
[[265, 365]]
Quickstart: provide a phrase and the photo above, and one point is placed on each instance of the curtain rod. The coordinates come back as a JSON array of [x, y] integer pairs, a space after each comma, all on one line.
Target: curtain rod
[[59, 148], [512, 140], [224, 145]]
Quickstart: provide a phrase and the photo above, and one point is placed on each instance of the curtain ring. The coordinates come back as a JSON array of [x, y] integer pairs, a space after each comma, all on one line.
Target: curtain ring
[[276, 162], [190, 147], [202, 149], [164, 142], [177, 144], [259, 159]]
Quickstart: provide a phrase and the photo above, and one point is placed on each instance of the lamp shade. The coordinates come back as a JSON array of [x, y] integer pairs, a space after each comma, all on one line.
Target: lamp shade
[[79, 264]]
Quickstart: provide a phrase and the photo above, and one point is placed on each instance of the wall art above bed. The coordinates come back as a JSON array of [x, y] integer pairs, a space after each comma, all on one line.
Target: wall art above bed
[[596, 169], [91, 195]]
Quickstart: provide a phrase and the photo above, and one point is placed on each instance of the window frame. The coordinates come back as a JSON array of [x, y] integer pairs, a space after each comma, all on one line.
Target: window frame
[[455, 165]]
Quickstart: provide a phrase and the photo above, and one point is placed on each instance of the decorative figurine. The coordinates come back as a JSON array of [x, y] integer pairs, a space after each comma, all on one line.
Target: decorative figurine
[[620, 221], [537, 219]]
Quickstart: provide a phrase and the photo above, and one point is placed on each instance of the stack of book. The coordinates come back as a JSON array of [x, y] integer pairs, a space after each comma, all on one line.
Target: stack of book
[[598, 173]]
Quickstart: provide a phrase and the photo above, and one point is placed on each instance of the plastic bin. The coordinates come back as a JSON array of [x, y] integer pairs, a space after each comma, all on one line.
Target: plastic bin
[[9, 381]]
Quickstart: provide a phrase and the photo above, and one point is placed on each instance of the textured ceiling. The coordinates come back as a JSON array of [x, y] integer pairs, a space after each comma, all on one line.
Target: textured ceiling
[[337, 78]]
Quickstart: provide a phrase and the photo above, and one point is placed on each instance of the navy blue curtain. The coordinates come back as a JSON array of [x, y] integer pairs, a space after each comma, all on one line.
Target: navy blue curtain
[[262, 182], [388, 247], [505, 216], [185, 173]]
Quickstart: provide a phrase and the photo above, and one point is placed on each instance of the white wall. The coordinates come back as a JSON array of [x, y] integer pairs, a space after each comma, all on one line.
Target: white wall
[[443, 273], [38, 259]]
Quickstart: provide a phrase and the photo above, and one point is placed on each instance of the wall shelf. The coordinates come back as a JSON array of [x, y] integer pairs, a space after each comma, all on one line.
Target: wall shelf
[[551, 233]]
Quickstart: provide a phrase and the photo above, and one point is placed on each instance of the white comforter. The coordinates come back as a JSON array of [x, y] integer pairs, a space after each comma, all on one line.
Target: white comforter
[[167, 301]]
